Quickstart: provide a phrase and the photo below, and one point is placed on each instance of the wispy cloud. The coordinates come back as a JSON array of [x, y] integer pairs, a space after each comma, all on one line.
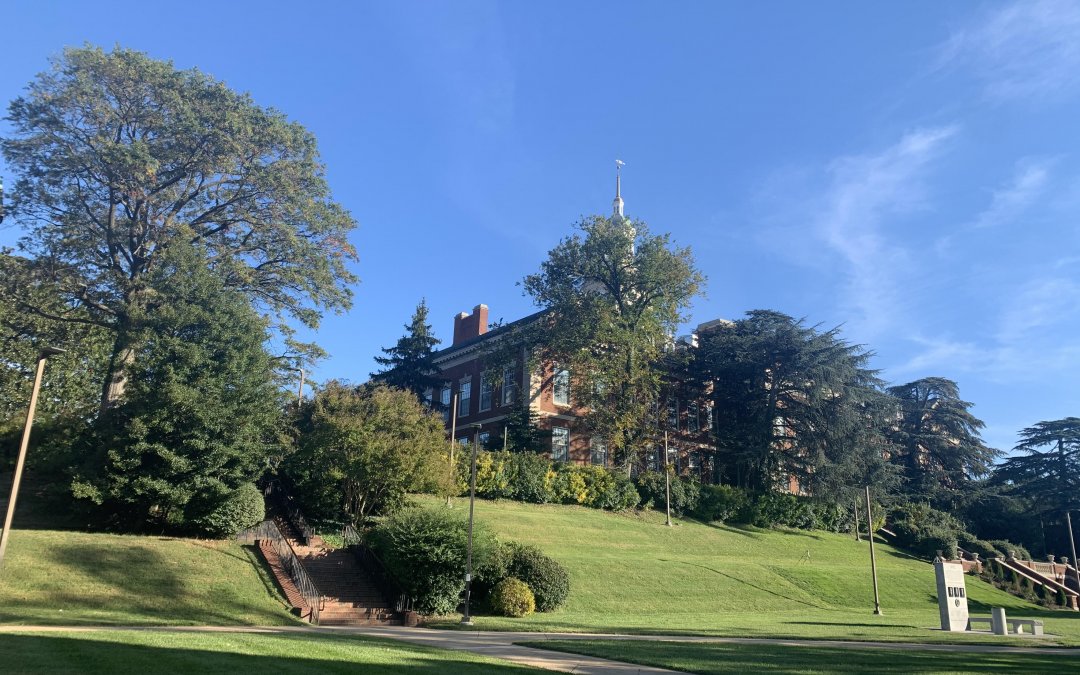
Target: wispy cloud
[[1024, 345], [1010, 200], [864, 191], [1028, 48]]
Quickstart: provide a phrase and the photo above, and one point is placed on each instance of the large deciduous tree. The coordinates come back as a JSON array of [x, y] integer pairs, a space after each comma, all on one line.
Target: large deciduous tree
[[935, 440], [409, 363], [615, 294], [120, 156], [791, 401], [362, 449]]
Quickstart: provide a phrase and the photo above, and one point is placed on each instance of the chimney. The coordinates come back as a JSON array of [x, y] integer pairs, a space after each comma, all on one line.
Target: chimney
[[469, 326]]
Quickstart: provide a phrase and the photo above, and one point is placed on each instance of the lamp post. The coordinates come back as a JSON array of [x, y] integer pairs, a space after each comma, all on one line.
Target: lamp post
[[873, 560], [1, 200], [45, 354], [466, 620]]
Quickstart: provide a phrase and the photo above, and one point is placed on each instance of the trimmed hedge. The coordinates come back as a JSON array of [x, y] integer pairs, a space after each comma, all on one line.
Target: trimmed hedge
[[512, 597], [548, 580], [685, 493], [771, 509]]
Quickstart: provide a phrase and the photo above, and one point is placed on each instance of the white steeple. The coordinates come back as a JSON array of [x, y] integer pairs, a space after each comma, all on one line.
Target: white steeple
[[617, 207]]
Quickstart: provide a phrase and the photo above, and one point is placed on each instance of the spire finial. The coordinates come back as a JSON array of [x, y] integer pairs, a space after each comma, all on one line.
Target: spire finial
[[618, 204]]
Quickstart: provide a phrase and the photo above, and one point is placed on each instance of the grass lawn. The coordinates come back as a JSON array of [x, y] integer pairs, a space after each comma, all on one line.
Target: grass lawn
[[163, 651], [631, 574], [714, 659], [71, 578]]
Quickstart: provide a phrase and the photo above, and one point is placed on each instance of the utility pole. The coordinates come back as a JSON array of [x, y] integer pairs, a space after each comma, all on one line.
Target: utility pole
[[873, 560], [453, 440], [1072, 545], [667, 479], [857, 538], [466, 620], [45, 354]]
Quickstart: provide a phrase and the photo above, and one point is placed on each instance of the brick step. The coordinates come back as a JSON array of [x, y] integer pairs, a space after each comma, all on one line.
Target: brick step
[[349, 622]]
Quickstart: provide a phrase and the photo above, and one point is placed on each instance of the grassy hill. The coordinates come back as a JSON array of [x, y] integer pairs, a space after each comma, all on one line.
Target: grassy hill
[[631, 573], [72, 578]]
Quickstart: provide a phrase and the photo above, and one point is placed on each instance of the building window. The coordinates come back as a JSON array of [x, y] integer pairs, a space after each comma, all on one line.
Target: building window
[[692, 461], [561, 386], [428, 397], [463, 441], [560, 444], [693, 423], [709, 417], [509, 385], [652, 460], [485, 437], [673, 414], [485, 392], [464, 398], [598, 451], [444, 402]]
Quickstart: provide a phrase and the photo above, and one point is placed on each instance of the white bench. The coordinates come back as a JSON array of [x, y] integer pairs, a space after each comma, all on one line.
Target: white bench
[[1015, 626]]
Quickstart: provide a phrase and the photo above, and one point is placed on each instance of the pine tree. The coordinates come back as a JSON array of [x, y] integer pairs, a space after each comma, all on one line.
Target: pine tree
[[408, 364], [1049, 475]]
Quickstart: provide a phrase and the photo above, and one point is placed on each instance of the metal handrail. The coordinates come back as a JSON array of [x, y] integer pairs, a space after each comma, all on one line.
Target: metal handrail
[[268, 530], [292, 511], [376, 570]]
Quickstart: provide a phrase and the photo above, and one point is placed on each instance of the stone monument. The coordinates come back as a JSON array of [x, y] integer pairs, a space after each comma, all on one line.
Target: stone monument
[[951, 594]]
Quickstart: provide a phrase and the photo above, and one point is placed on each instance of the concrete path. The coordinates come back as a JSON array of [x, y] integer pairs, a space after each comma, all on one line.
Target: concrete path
[[501, 645]]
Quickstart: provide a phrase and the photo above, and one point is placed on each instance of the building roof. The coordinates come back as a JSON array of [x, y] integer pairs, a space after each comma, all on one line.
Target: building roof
[[474, 343]]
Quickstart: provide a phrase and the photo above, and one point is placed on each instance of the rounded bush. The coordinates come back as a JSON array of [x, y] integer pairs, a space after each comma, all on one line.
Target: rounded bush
[[242, 508], [512, 597], [721, 502], [529, 480], [549, 581]]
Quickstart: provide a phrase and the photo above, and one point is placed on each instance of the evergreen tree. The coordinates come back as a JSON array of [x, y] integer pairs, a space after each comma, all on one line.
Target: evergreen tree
[[523, 432], [935, 441], [1048, 476], [202, 412], [791, 400], [408, 364]]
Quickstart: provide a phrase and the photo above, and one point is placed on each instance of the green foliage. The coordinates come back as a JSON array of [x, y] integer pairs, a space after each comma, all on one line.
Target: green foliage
[[973, 544], [685, 492], [120, 157], [548, 580], [721, 503], [523, 432], [614, 294], [532, 478], [1048, 476], [792, 400], [408, 364], [425, 549], [363, 449], [202, 412], [244, 508], [1007, 548], [1061, 599], [512, 597], [529, 476], [936, 441]]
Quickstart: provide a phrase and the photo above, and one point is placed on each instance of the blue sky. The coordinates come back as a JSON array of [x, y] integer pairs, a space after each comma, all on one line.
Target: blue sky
[[909, 170]]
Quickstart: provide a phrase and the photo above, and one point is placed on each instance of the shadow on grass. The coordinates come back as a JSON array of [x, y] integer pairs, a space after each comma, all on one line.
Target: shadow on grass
[[140, 586], [741, 530], [768, 591], [876, 626], [713, 658], [83, 654]]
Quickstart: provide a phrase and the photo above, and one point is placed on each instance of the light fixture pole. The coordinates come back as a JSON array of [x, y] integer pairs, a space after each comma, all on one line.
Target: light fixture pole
[[466, 620], [873, 560], [667, 480], [45, 354], [1072, 545]]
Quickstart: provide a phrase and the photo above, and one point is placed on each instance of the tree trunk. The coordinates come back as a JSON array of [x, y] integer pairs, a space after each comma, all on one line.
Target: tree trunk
[[123, 356]]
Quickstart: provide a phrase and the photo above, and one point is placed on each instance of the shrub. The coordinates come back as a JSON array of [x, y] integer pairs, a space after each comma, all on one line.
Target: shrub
[[613, 491], [529, 479], [685, 493], [424, 550], [721, 502], [492, 476], [549, 581], [1008, 548], [925, 530], [243, 508], [973, 544], [570, 485], [512, 597], [1061, 599]]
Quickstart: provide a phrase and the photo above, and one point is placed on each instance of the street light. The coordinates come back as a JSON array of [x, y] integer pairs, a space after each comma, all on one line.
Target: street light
[[45, 354], [466, 620], [1, 200]]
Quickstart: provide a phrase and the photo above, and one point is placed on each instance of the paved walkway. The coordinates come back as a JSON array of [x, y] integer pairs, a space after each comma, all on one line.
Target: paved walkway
[[501, 645]]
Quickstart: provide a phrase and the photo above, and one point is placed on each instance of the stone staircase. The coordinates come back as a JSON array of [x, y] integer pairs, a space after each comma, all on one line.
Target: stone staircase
[[350, 598]]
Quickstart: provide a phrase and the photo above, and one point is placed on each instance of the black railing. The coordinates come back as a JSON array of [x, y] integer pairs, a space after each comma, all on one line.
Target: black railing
[[268, 531], [275, 491], [376, 570]]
